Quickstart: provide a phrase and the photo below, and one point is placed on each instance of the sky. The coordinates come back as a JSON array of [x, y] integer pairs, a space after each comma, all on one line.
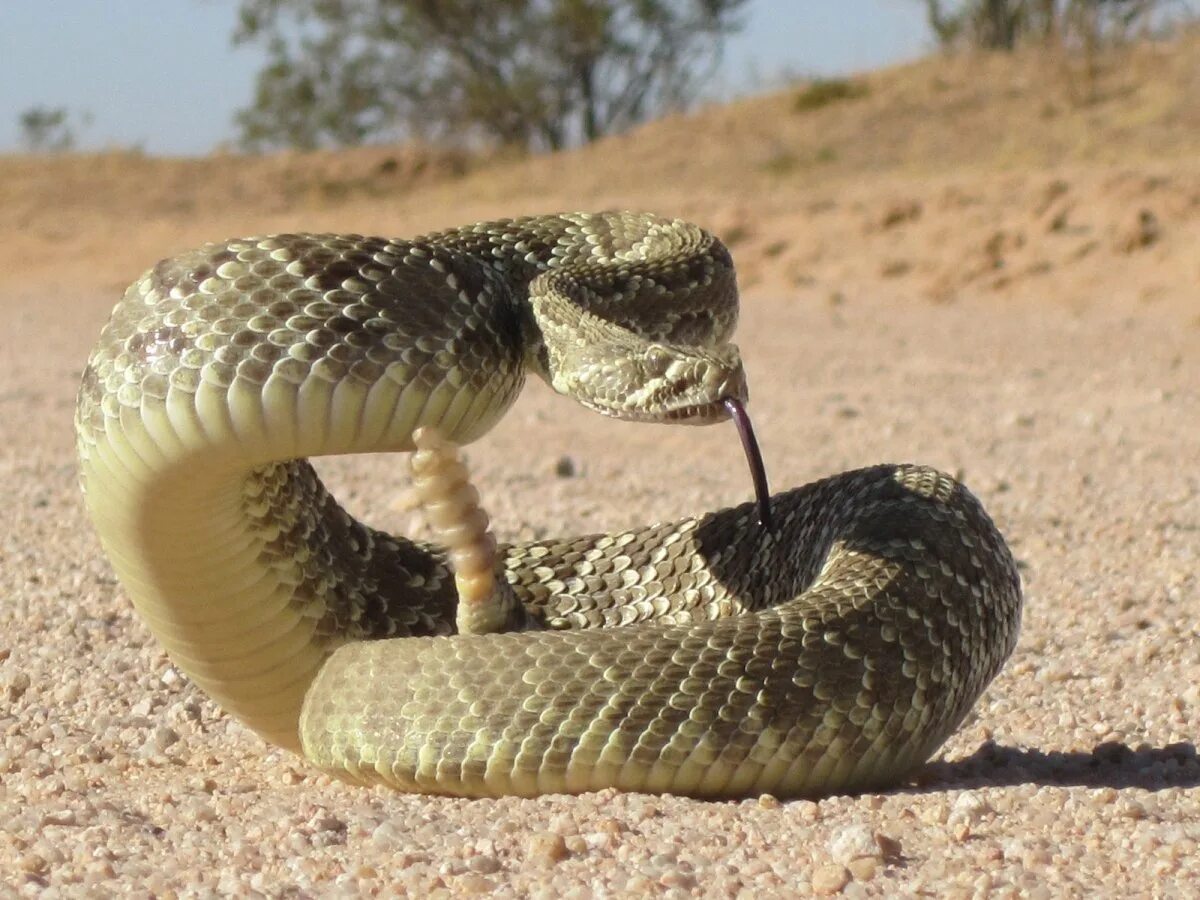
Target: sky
[[161, 75]]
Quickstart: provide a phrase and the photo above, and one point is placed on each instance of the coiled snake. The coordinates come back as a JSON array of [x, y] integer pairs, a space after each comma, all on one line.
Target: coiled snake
[[833, 651]]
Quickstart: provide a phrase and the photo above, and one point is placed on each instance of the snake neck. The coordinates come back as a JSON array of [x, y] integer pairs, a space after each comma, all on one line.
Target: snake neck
[[633, 321]]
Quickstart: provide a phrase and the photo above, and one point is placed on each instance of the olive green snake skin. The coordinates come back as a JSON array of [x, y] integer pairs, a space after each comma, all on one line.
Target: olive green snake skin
[[833, 652]]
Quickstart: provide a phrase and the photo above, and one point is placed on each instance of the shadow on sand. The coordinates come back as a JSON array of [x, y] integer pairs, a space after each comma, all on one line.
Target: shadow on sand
[[1111, 764]]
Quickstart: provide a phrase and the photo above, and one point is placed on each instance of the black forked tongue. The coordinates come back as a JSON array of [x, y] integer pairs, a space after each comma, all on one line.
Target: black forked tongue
[[754, 457]]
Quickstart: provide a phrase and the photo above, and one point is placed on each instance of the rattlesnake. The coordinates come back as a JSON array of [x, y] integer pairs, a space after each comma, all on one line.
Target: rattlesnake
[[834, 650]]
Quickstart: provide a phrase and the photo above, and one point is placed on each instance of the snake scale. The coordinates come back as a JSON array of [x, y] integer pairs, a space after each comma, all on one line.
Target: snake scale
[[832, 651]]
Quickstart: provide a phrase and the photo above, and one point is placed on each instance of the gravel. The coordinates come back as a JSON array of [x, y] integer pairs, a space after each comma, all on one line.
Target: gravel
[[1076, 775]]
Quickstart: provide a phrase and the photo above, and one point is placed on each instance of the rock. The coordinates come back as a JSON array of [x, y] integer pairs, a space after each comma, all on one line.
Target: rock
[[484, 865], [968, 809], [863, 868], [164, 737], [547, 848], [16, 685], [474, 884], [828, 880], [1143, 233], [899, 213], [854, 842]]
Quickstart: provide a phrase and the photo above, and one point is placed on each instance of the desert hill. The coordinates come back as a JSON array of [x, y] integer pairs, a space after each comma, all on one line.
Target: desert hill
[[946, 174]]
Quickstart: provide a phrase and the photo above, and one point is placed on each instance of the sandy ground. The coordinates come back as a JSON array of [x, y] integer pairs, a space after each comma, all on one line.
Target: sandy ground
[[1077, 772], [1036, 330]]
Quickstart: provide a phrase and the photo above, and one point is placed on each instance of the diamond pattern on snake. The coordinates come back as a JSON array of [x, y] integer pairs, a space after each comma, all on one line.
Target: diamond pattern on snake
[[825, 639]]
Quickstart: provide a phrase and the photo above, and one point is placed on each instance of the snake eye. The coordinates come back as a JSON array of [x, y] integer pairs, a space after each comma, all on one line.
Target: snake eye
[[658, 360]]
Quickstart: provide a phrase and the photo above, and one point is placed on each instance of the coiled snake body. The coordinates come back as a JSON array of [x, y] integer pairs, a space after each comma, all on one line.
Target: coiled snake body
[[834, 651]]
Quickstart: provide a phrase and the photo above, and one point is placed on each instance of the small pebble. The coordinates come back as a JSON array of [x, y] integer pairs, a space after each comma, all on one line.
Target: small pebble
[[863, 868], [16, 685], [547, 847], [969, 808], [674, 878], [484, 865], [61, 818], [854, 842], [610, 826], [164, 737], [33, 864], [829, 879], [474, 884]]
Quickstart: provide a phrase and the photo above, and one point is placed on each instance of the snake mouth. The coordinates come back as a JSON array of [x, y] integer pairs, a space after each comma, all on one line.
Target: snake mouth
[[758, 471], [690, 414], [696, 414]]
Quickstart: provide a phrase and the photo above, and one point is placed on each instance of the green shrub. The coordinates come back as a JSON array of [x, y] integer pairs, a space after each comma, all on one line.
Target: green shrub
[[824, 91]]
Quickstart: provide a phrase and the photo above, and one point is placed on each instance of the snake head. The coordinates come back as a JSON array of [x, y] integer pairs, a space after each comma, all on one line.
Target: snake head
[[655, 383], [664, 383]]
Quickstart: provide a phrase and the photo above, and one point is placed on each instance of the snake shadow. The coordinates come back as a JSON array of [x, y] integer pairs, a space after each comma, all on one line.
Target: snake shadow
[[1110, 764]]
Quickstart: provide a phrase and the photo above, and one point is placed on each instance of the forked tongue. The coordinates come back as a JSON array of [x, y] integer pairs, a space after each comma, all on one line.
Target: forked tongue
[[758, 472]]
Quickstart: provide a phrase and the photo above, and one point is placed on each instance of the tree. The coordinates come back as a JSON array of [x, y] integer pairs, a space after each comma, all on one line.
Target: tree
[[526, 73], [46, 130], [1003, 24]]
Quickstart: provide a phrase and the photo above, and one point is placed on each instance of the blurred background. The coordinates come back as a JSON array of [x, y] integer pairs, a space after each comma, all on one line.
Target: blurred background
[[187, 78], [817, 138], [171, 78]]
